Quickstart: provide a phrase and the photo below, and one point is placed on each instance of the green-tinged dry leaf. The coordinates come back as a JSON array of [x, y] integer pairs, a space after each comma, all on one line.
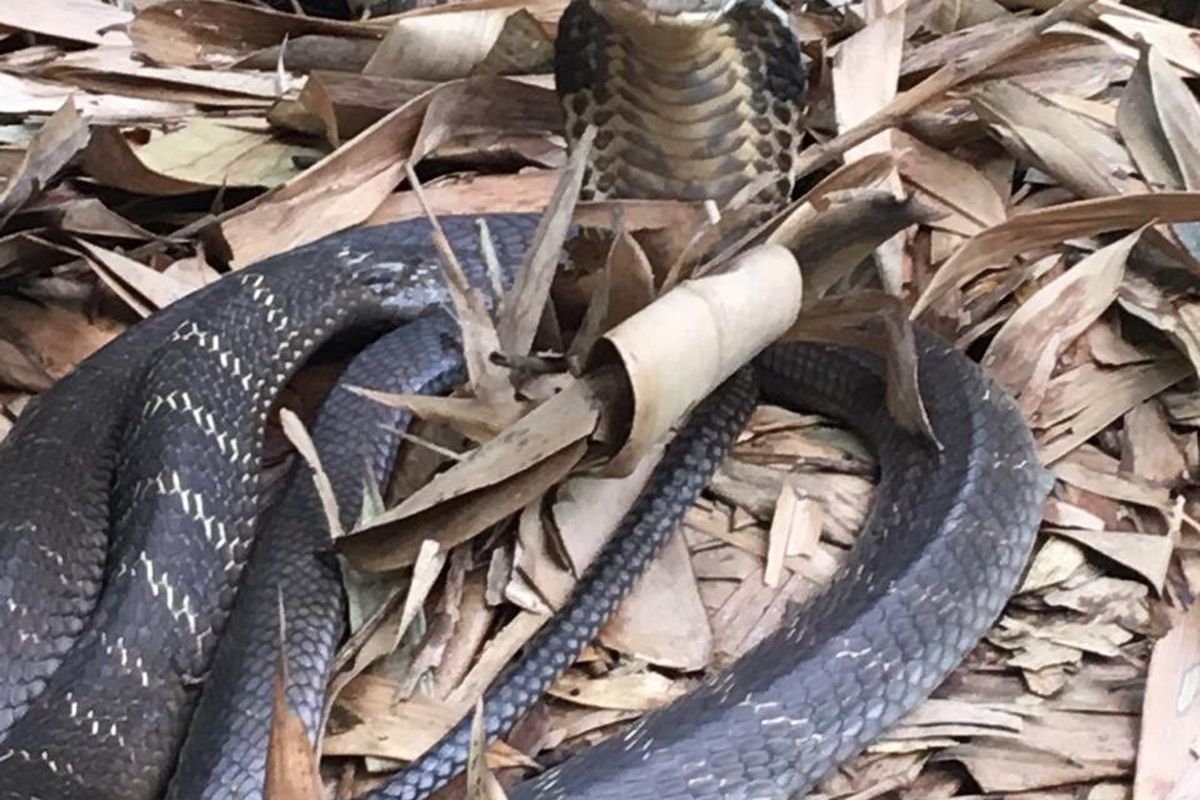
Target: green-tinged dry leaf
[[63, 135], [1047, 323], [200, 155], [380, 634], [994, 247]]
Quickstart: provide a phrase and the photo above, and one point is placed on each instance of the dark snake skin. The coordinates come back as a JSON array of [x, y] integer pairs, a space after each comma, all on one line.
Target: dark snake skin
[[133, 666]]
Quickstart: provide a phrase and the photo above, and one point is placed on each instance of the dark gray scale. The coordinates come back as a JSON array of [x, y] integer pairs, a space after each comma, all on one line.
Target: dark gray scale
[[294, 563], [202, 376]]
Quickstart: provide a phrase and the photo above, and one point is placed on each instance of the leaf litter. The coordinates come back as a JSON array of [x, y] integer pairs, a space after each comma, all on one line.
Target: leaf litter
[[1024, 181]]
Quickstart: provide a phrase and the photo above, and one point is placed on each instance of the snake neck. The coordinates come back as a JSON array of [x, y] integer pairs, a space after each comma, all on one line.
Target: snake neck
[[691, 107]]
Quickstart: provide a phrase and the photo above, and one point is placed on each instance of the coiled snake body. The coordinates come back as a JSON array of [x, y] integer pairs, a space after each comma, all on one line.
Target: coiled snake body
[[133, 666]]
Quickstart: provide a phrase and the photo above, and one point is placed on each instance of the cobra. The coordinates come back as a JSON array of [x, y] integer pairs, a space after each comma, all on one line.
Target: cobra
[[141, 578]]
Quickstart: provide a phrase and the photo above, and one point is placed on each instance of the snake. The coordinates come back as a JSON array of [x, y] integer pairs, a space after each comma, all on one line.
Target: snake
[[148, 582]]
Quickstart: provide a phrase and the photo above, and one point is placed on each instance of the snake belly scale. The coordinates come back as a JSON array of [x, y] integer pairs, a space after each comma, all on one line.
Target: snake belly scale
[[138, 569]]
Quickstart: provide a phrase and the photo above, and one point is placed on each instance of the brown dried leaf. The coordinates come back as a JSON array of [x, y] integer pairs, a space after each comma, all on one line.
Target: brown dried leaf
[[291, 771], [22, 95], [459, 43], [682, 639], [111, 160], [207, 33], [1177, 42], [122, 274], [51, 148], [1053, 563], [1177, 316], [1167, 764], [47, 341], [382, 728], [838, 231], [1078, 154], [548, 429], [1083, 401], [1146, 554], [554, 551], [387, 541], [1056, 314], [955, 186], [86, 21], [638, 691], [522, 307], [348, 103], [481, 783], [1158, 116], [340, 191], [994, 247], [118, 71], [527, 192]]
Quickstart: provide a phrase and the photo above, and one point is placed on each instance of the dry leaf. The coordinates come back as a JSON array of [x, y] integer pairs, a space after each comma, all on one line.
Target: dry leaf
[[63, 135], [443, 47], [1056, 314], [1167, 765], [1158, 116], [994, 247], [209, 33], [85, 21], [292, 771]]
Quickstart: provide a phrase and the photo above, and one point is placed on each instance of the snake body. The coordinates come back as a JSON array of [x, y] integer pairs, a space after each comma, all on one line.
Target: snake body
[[133, 666]]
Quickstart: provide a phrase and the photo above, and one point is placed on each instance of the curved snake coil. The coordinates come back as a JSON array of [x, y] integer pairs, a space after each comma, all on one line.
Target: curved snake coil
[[133, 666]]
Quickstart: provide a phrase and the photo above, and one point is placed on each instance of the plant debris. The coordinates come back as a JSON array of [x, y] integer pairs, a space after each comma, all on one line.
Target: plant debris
[[1022, 176]]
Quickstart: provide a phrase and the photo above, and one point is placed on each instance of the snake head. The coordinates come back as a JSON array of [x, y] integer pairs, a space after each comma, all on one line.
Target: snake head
[[671, 13]]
